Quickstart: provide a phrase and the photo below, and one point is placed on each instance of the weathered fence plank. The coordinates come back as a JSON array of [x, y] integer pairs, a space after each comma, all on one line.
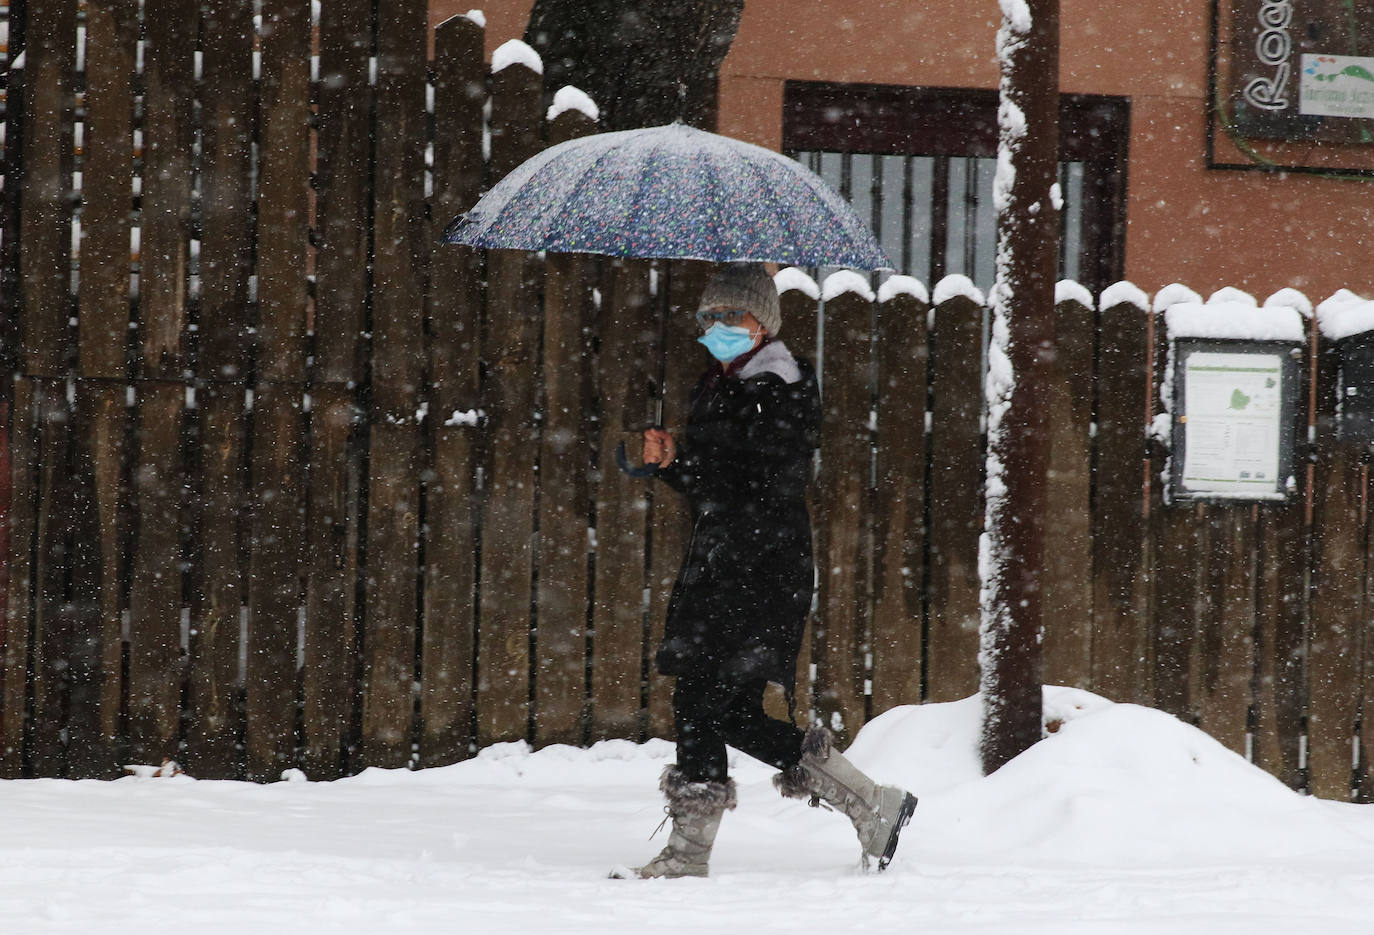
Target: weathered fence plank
[[101, 440], [560, 669], [1340, 486], [226, 208], [155, 665], [1120, 573], [844, 509], [45, 209], [344, 190], [899, 511], [213, 718], [54, 630], [629, 332], [107, 177], [511, 393], [956, 503], [801, 319], [1223, 658], [169, 35], [331, 568], [1281, 606], [22, 521], [1067, 576], [455, 308]]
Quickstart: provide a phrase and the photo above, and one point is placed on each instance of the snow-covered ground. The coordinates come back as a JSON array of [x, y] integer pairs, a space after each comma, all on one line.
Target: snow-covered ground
[[1122, 821]]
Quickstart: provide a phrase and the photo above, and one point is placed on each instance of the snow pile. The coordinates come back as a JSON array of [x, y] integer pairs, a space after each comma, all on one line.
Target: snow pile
[[569, 98], [1234, 320], [1345, 314], [515, 52], [1229, 295], [1122, 820]]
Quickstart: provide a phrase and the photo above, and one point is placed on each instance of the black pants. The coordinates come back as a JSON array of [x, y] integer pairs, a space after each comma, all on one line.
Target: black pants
[[709, 714]]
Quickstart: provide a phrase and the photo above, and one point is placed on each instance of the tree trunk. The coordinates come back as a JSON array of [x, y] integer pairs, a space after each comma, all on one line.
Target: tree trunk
[[1028, 202], [644, 62]]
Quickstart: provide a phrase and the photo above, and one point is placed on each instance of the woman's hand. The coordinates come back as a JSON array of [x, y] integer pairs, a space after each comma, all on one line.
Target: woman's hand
[[659, 447]]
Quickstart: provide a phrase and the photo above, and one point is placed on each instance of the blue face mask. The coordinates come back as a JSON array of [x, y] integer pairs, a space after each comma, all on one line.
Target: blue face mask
[[726, 342]]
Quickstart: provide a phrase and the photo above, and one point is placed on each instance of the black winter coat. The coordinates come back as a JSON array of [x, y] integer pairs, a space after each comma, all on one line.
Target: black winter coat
[[739, 607]]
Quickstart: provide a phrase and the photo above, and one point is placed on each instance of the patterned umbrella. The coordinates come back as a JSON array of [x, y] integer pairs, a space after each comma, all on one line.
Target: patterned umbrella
[[674, 192]]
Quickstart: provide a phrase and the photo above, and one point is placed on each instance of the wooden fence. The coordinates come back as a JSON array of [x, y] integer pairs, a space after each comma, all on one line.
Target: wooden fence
[[294, 486]]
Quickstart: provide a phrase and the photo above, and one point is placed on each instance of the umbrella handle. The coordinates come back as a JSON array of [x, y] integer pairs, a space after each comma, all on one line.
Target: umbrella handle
[[623, 462]]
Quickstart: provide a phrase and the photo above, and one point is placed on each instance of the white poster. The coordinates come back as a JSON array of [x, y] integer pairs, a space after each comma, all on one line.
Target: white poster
[[1336, 86], [1232, 425]]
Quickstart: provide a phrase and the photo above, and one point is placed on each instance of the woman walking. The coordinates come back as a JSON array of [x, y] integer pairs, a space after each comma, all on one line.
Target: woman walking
[[739, 607]]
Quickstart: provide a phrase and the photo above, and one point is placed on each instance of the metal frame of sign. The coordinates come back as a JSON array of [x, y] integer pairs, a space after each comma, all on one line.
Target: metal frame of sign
[[1236, 488]]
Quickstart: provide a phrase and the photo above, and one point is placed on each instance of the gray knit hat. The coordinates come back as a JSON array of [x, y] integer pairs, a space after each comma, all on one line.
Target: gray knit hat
[[745, 286]]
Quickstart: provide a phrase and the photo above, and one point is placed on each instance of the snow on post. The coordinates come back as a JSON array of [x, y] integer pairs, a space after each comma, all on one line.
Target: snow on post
[[1176, 293], [1229, 295], [1011, 551], [1066, 290], [894, 286], [846, 280], [569, 98], [1344, 315], [516, 52], [1291, 298], [1124, 293], [956, 285], [792, 278]]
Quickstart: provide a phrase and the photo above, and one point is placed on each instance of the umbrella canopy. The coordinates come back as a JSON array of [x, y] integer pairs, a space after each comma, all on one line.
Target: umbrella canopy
[[674, 192]]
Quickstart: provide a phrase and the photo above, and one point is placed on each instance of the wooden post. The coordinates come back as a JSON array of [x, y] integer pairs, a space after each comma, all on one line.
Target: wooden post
[[1012, 563], [455, 302], [899, 510], [956, 504], [54, 629], [844, 517], [1120, 573]]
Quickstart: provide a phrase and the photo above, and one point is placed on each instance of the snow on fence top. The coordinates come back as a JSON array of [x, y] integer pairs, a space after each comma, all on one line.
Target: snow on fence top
[[1345, 314], [1066, 290], [516, 52], [846, 280], [569, 98], [478, 17], [793, 278], [1123, 293], [1293, 299], [956, 285], [1228, 295], [903, 285], [1175, 293], [1234, 320]]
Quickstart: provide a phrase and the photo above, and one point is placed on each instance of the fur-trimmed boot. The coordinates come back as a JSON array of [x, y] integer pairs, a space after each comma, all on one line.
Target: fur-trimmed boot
[[878, 812], [695, 809]]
